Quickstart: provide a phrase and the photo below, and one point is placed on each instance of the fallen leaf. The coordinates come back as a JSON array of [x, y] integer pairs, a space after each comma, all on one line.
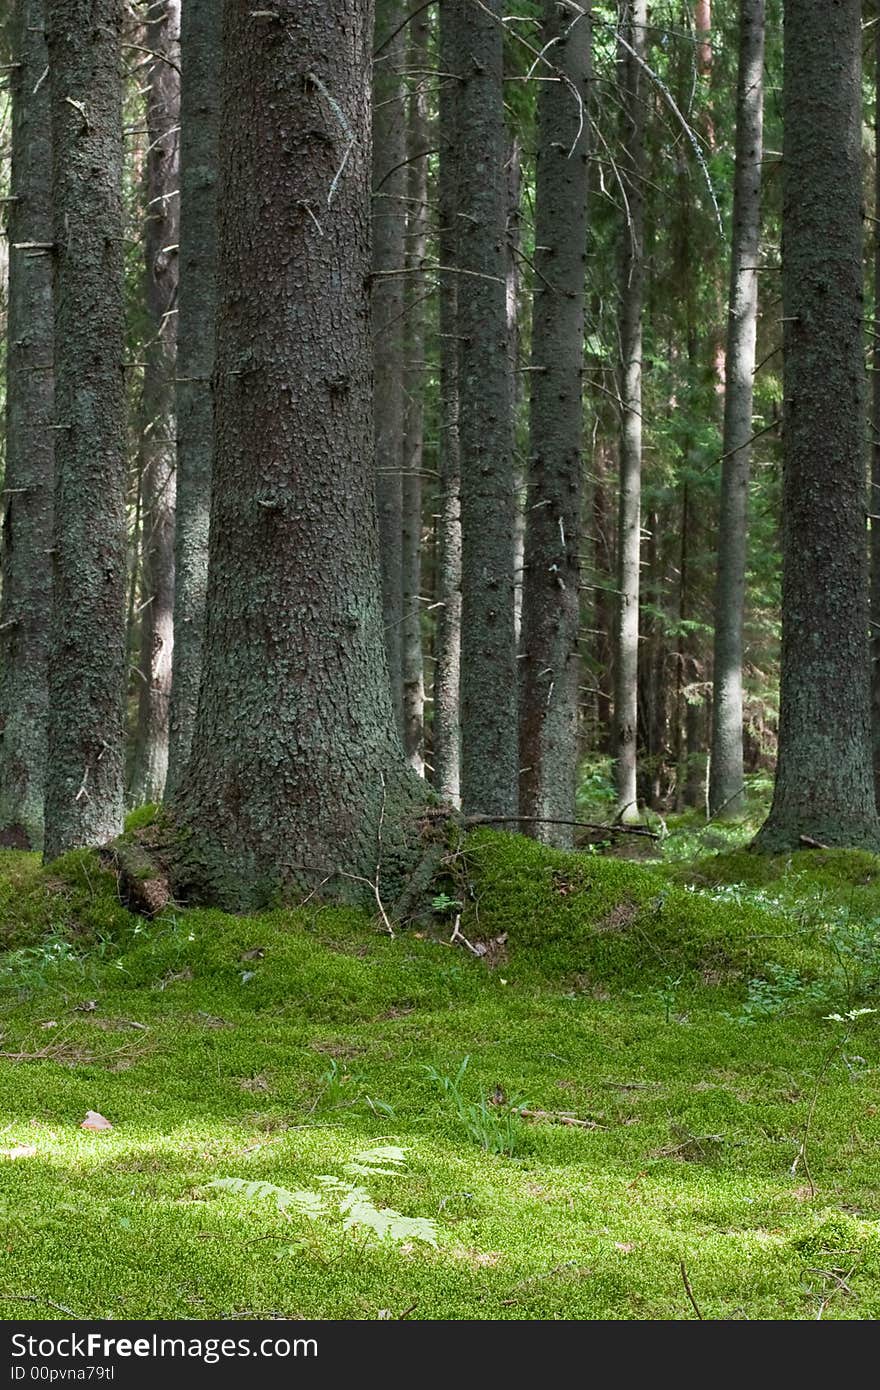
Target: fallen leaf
[[625, 1247], [22, 1151], [50, 1023], [95, 1121]]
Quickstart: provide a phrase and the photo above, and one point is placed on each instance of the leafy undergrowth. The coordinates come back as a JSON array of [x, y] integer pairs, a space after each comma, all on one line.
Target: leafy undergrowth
[[652, 1078]]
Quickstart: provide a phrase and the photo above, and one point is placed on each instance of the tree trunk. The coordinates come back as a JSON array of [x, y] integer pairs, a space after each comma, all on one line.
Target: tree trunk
[[824, 785], [551, 599], [629, 515], [874, 494], [604, 601], [25, 613], [199, 147], [726, 797], [513, 244], [297, 775], [84, 782], [447, 668], [158, 437], [414, 418], [389, 300], [488, 647]]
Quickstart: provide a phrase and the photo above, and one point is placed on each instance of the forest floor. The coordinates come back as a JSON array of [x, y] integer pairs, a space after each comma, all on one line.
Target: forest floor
[[673, 1076]]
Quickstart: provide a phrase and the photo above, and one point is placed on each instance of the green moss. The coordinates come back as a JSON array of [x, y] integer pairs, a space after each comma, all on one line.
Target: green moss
[[275, 1047], [141, 817], [618, 921]]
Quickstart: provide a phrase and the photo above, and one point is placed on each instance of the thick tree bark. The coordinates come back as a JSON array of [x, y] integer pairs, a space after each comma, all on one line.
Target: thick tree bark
[[447, 668], [157, 449], [297, 773], [389, 302], [26, 609], [84, 783], [488, 648], [551, 598], [200, 39], [726, 797], [418, 225], [513, 243], [874, 495], [824, 785], [629, 508]]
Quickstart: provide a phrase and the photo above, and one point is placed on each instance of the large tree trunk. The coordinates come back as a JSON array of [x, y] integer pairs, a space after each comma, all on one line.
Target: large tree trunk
[[488, 646], [626, 663], [158, 437], [551, 596], [414, 416], [389, 302], [199, 141], [297, 773], [25, 613], [447, 668], [726, 797], [84, 783], [874, 496], [824, 784]]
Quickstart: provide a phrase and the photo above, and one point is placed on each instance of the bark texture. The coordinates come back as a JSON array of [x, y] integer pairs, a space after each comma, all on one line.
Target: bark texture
[[551, 596], [874, 496], [297, 773], [447, 668], [25, 613], [418, 226], [824, 785], [489, 769], [200, 43], [726, 766], [157, 452], [389, 301], [626, 666], [84, 783]]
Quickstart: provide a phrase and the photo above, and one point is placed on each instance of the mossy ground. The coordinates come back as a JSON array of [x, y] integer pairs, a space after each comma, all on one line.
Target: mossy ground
[[277, 1047]]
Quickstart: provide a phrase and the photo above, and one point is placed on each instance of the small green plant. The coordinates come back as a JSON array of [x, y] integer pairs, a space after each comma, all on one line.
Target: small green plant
[[336, 1198], [443, 903], [36, 967], [341, 1090], [667, 993], [779, 993], [496, 1126]]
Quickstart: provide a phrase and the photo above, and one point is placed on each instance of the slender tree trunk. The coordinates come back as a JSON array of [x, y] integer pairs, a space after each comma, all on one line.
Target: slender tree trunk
[[703, 26], [726, 769], [158, 438], [297, 774], [389, 302], [656, 699], [629, 515], [824, 784], [447, 668], [25, 612], [604, 602], [551, 601], [84, 782], [488, 647], [414, 420], [199, 146]]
